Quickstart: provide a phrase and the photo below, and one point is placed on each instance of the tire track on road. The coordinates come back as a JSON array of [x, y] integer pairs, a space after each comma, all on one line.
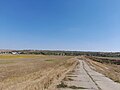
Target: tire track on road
[[91, 77]]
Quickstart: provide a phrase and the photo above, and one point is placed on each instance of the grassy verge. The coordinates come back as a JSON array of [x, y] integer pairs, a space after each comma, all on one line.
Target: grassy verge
[[108, 69]]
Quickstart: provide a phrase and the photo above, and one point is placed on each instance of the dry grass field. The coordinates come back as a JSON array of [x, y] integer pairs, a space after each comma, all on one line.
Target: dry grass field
[[33, 72], [110, 70]]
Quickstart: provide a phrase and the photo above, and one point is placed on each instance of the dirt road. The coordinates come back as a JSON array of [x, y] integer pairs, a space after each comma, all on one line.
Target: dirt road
[[84, 78]]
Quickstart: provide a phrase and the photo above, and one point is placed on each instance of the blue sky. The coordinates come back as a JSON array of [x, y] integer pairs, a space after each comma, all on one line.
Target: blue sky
[[87, 25]]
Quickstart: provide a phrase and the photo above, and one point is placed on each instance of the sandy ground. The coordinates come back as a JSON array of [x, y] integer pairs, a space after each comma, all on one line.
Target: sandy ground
[[85, 78]]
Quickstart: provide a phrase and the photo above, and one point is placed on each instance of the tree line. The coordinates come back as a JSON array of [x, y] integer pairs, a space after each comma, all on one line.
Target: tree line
[[69, 53]]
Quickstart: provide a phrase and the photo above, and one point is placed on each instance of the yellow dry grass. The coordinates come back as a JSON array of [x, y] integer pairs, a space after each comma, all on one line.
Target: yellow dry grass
[[110, 70], [32, 72], [9, 56]]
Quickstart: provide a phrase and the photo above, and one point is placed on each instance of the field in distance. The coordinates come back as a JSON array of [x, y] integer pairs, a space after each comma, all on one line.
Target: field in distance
[[32, 72]]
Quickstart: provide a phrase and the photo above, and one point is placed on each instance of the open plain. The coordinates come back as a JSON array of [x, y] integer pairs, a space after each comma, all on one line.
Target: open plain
[[32, 72], [43, 72]]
